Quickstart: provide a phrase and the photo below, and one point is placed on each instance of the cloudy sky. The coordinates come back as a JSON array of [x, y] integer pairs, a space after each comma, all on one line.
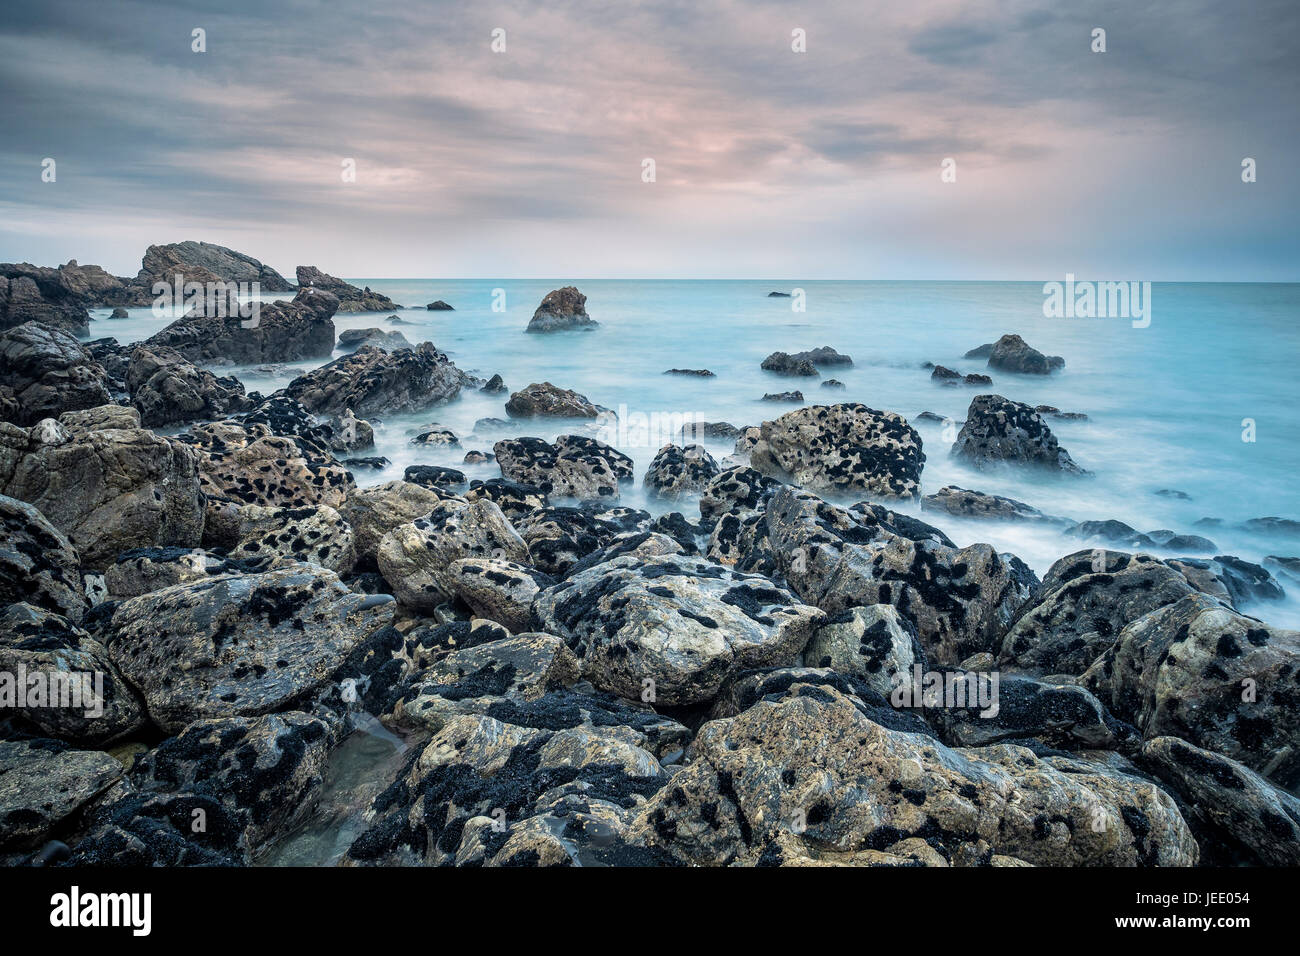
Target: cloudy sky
[[769, 163]]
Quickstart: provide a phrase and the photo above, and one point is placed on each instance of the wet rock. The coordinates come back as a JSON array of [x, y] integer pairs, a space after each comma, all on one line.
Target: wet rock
[[678, 471], [975, 378], [846, 447], [896, 523], [435, 477], [874, 643], [239, 645], [976, 504], [439, 306], [167, 389], [562, 309], [274, 537], [785, 364], [1086, 599], [1056, 413], [1111, 532], [42, 783], [736, 490], [573, 467], [1011, 353], [558, 537], [678, 622], [1000, 430], [415, 558], [437, 436], [825, 357], [47, 372], [697, 372], [380, 338], [372, 381], [350, 433], [942, 372], [1238, 817], [515, 499], [145, 570], [1186, 543], [373, 512], [544, 400], [833, 383], [809, 779], [37, 563], [783, 397], [351, 298], [69, 688], [494, 386], [476, 457], [1198, 670], [281, 332], [699, 431], [502, 591]]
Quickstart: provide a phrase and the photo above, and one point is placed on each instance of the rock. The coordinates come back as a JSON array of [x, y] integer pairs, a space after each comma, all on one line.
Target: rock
[[833, 383], [1085, 600], [515, 499], [119, 313], [976, 504], [375, 511], [1000, 430], [439, 306], [435, 436], [379, 338], [1289, 568], [1173, 493], [678, 471], [785, 364], [476, 457], [47, 372], [57, 681], [502, 591], [435, 477], [371, 381], [1186, 543], [1063, 416], [895, 523], [703, 430], [42, 783], [351, 298], [168, 389], [735, 491], [545, 400], [943, 372], [983, 351], [373, 462], [1111, 532], [1012, 354], [161, 263], [281, 332], [1237, 816], [698, 372], [107, 486], [562, 309], [847, 447], [1198, 670], [873, 643], [494, 386], [824, 357], [746, 440], [350, 433], [415, 558], [809, 779], [975, 378], [276, 537], [239, 645], [795, 396], [558, 538], [778, 295], [679, 622], [574, 467], [959, 601], [32, 294], [37, 563], [1273, 527], [145, 570]]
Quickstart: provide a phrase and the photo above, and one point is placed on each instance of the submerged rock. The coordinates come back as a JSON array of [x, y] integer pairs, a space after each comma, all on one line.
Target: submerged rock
[[976, 504], [562, 309], [1011, 353]]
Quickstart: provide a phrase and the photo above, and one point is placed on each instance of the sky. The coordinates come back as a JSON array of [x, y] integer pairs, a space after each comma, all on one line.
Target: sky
[[768, 163]]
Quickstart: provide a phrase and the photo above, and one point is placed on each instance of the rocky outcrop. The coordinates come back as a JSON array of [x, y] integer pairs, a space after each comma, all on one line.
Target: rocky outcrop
[[573, 467], [31, 293], [277, 537], [544, 400], [1012, 354], [351, 298], [37, 563], [239, 645], [673, 626], [372, 381], [280, 332], [678, 471], [380, 338], [439, 306], [842, 448], [1000, 430], [962, 503], [197, 260], [44, 372], [104, 482], [562, 309], [168, 389]]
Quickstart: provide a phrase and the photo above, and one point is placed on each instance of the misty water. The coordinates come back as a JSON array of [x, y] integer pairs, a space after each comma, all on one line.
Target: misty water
[[1168, 405]]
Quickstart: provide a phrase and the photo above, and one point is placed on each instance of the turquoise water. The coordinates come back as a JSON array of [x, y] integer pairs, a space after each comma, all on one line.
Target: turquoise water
[[1166, 403]]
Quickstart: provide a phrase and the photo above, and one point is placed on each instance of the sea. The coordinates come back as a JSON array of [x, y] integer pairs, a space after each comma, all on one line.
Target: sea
[[1193, 410]]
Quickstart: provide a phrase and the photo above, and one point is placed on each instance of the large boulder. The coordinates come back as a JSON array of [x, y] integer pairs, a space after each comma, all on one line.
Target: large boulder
[[104, 482], [46, 372], [842, 448], [373, 381], [810, 779], [379, 338], [37, 563], [673, 626], [351, 298], [44, 782], [273, 537], [280, 332], [502, 591], [168, 389], [544, 400], [416, 558], [677, 471], [999, 430], [1011, 353], [573, 467], [874, 643], [194, 259], [1198, 670], [31, 293], [239, 645], [373, 512], [562, 309], [560, 537]]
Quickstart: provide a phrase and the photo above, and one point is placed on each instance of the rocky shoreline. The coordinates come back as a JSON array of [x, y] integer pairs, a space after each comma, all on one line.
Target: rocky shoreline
[[792, 668]]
